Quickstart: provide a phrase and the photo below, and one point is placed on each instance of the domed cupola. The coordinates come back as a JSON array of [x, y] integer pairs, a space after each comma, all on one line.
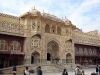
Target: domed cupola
[[35, 12], [67, 22]]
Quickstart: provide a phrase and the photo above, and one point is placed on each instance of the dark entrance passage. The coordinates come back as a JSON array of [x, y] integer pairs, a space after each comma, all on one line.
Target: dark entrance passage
[[48, 57], [14, 61], [32, 59], [1, 63]]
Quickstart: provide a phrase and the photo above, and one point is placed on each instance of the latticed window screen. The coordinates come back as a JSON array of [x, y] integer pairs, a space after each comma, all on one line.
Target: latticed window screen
[[80, 51], [85, 51], [15, 45], [90, 51], [35, 41], [3, 45], [94, 51], [76, 51]]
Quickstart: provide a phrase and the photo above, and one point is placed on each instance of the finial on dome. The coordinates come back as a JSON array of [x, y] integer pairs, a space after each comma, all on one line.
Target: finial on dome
[[34, 7], [65, 17], [43, 11]]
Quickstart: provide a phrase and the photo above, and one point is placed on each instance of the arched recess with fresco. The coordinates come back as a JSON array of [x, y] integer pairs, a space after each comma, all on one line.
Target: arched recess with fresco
[[52, 51]]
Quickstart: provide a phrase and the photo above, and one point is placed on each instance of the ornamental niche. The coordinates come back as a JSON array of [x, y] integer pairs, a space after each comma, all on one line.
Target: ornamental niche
[[33, 25], [38, 26], [68, 32], [68, 45], [35, 42]]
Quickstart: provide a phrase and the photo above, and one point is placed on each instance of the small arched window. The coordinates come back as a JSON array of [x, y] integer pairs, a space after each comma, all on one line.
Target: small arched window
[[47, 29], [53, 29], [59, 30]]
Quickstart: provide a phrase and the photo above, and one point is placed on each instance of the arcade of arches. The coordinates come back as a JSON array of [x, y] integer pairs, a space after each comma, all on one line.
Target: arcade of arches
[[52, 54], [11, 51], [86, 55]]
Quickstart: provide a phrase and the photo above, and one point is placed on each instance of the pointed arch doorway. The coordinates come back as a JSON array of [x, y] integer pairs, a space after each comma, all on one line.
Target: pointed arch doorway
[[68, 58], [35, 58], [52, 51], [48, 57]]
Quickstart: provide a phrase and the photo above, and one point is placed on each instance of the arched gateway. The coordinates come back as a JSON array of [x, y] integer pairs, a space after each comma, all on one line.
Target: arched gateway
[[52, 51], [35, 58]]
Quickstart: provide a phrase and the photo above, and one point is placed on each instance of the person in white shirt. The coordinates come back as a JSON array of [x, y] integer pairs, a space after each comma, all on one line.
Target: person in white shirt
[[76, 70], [27, 71]]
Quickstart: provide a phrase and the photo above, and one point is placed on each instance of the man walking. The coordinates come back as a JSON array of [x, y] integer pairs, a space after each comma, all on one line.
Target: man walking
[[97, 69], [76, 70], [39, 71]]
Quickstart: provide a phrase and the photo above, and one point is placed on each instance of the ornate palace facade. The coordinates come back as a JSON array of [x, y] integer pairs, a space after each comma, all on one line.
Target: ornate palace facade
[[39, 38]]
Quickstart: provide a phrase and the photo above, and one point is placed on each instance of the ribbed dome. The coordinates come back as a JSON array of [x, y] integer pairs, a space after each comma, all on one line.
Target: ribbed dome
[[67, 22]]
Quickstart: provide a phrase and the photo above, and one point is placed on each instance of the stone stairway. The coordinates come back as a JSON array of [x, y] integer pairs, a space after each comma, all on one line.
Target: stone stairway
[[55, 68], [59, 67]]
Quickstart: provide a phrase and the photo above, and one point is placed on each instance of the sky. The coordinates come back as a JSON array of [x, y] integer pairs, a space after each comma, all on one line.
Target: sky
[[84, 14]]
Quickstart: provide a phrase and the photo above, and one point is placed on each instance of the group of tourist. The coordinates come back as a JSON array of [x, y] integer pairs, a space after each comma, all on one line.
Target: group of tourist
[[39, 71], [78, 72], [27, 71]]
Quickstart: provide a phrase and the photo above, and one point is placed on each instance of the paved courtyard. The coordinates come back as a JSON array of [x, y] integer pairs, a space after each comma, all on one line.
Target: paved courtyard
[[88, 71]]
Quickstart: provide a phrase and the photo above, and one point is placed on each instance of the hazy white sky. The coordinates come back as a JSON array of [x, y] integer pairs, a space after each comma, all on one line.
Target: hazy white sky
[[85, 14]]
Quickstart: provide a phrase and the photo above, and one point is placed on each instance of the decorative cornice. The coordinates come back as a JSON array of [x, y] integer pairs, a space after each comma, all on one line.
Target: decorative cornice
[[85, 34], [11, 28], [85, 39], [9, 16]]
